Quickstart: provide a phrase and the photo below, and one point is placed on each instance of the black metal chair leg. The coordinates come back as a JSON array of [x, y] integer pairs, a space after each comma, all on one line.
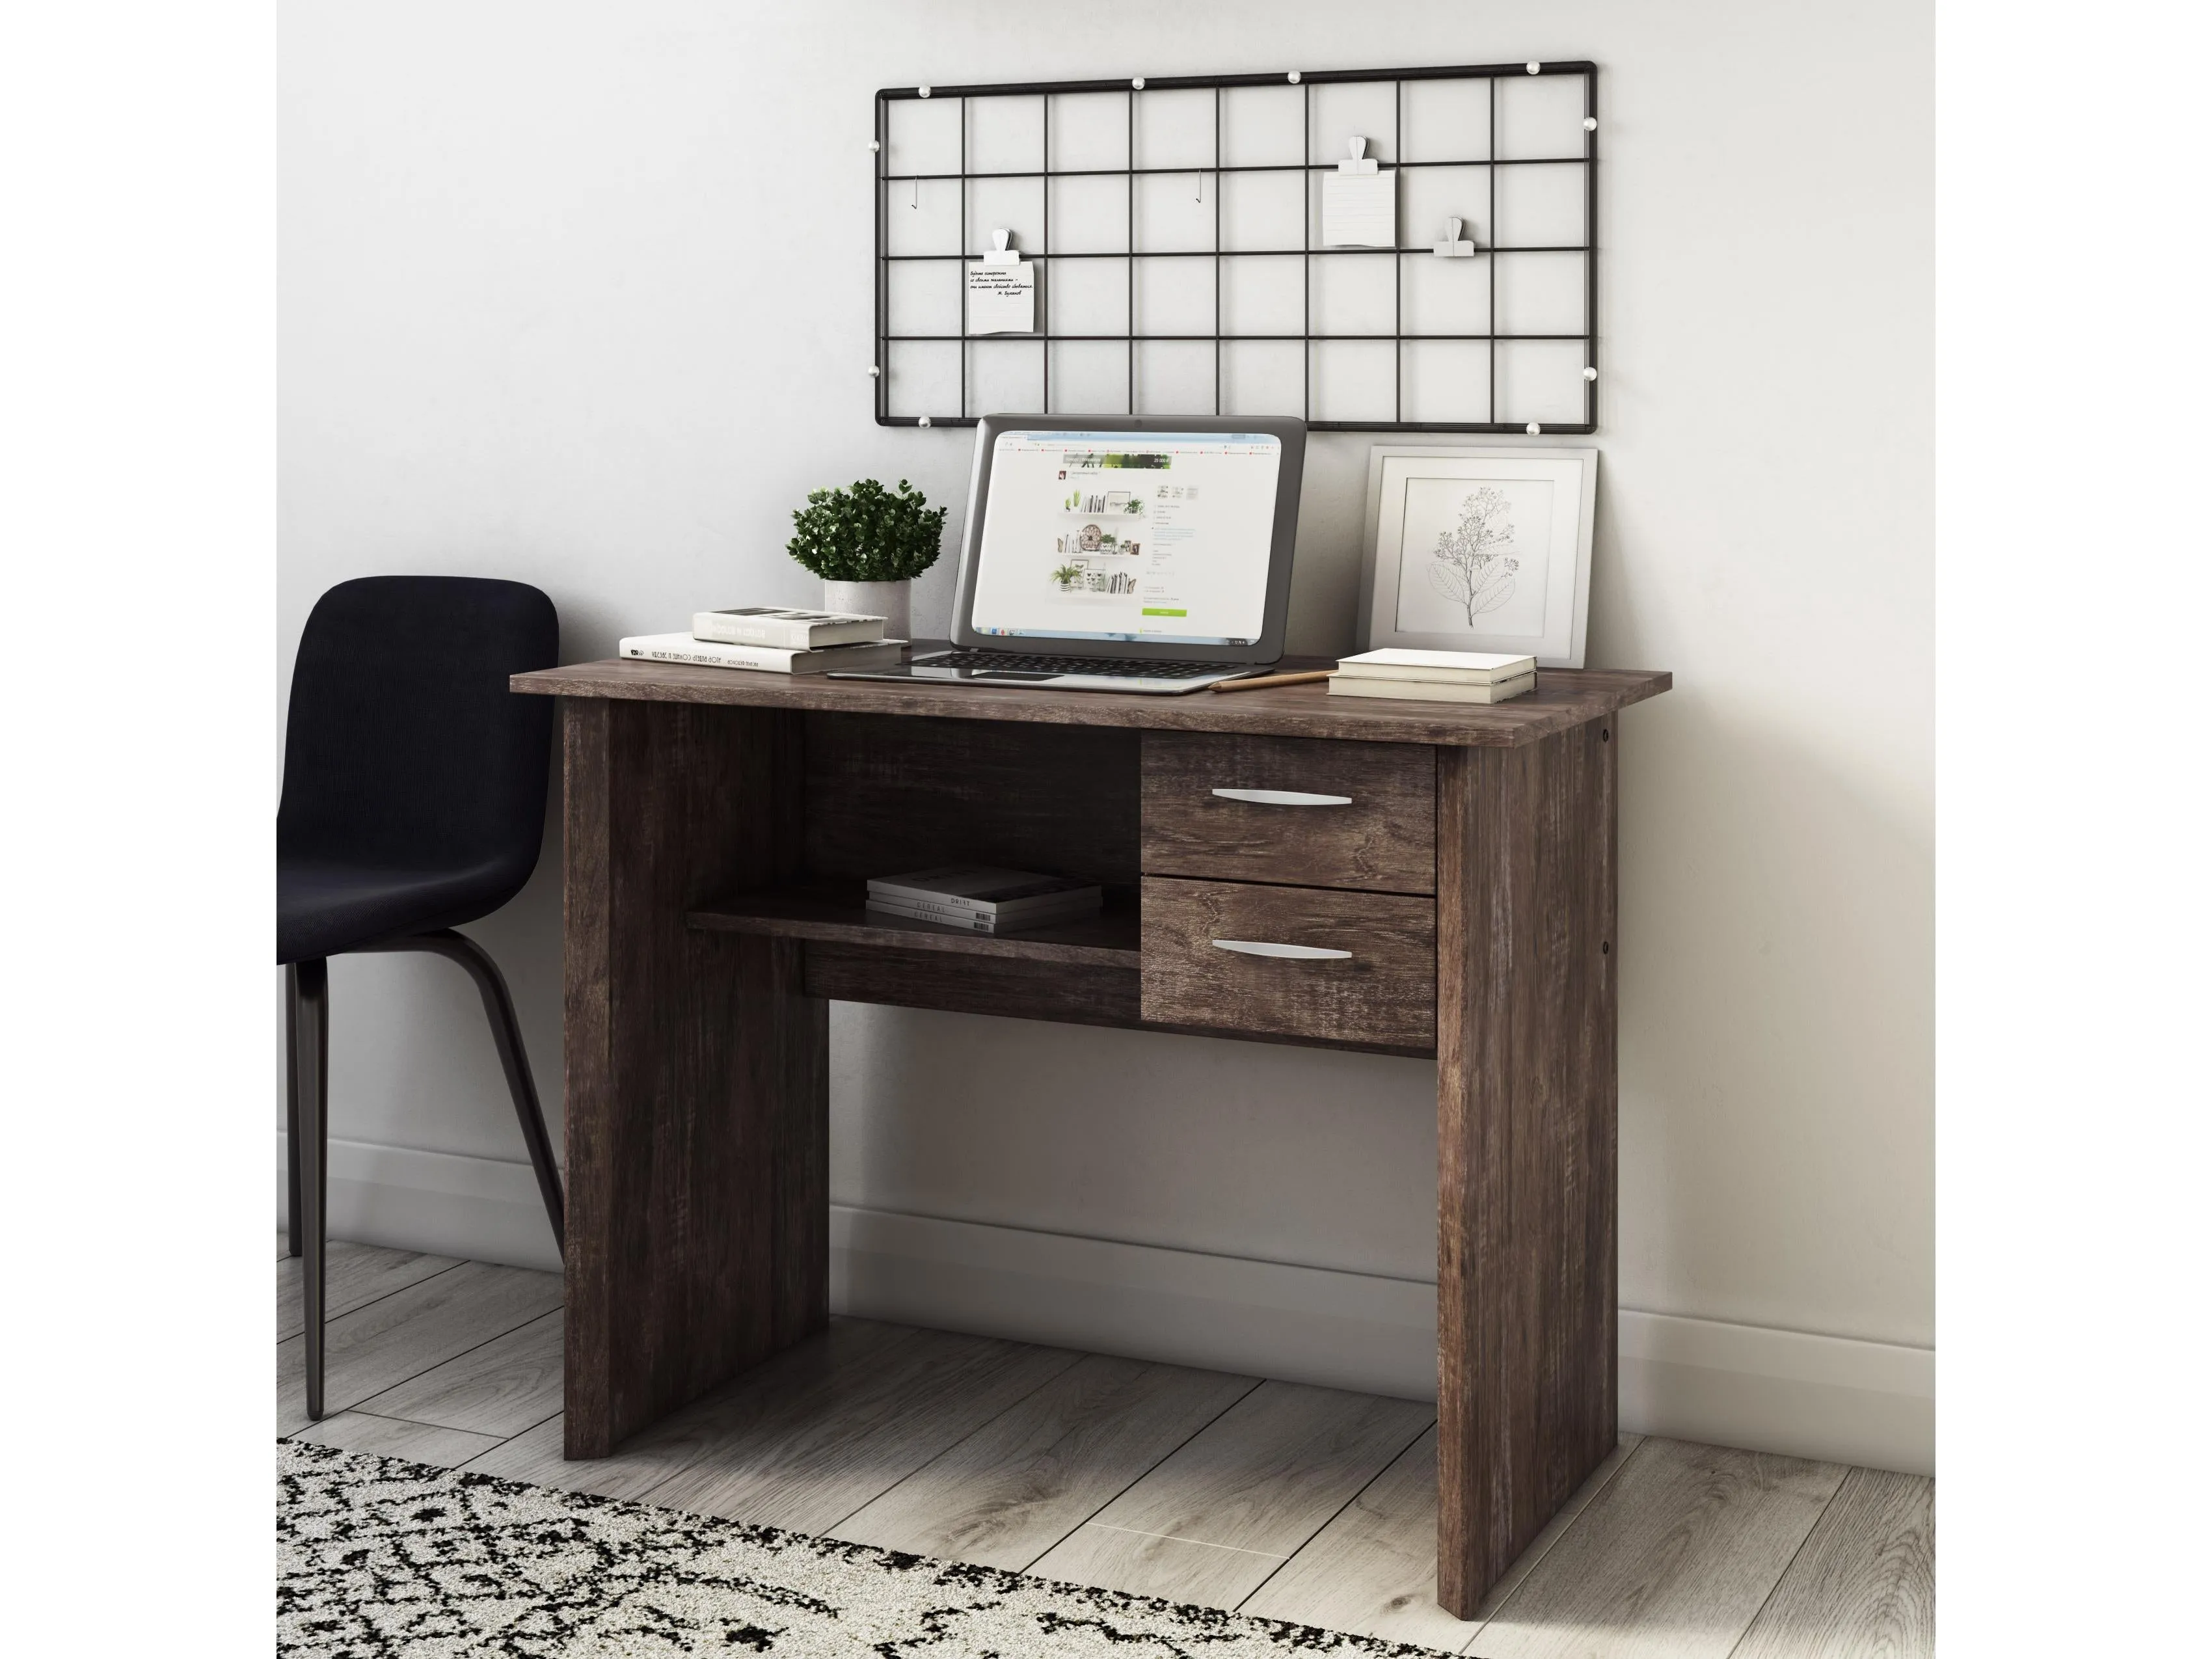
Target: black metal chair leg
[[507, 1035], [292, 1109], [312, 1075]]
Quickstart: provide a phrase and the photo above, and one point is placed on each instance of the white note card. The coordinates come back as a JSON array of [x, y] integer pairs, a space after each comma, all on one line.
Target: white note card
[[1359, 209], [1002, 299]]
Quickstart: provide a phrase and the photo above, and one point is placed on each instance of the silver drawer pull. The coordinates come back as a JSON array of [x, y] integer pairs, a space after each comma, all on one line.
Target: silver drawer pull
[[1283, 797], [1253, 947]]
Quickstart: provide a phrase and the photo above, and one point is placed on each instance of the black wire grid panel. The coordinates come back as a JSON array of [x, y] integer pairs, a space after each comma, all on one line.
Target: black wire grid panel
[[1090, 175]]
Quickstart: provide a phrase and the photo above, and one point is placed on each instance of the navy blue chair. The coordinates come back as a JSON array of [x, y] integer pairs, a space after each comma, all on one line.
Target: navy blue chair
[[414, 801]]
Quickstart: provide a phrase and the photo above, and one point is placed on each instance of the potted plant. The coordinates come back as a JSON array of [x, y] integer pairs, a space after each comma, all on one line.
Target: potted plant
[[868, 544]]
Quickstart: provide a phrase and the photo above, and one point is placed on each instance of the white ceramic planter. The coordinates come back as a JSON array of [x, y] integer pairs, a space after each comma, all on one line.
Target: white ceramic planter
[[892, 601]]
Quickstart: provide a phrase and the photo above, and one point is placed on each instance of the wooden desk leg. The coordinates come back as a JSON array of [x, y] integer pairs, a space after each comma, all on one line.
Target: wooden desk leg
[[1526, 1281], [697, 1068]]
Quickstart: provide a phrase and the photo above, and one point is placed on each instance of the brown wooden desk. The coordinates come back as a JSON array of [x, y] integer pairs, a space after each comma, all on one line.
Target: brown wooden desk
[[720, 826]]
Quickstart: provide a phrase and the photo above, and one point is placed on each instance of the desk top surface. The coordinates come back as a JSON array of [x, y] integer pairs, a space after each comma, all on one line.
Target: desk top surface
[[1564, 698]]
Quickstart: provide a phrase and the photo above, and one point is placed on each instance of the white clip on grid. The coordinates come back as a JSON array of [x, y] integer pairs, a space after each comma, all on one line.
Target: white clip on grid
[[999, 253], [1454, 246], [1359, 161]]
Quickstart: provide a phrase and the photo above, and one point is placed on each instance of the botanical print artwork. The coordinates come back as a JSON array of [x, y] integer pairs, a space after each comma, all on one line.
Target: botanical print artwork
[[1474, 557], [1474, 566]]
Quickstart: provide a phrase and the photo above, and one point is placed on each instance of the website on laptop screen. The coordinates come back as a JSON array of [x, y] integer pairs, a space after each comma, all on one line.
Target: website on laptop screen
[[1155, 536]]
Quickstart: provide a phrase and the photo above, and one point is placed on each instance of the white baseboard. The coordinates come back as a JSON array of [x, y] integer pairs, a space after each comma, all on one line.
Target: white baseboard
[[484, 1209], [1217, 1312], [1836, 1398], [1695, 1379]]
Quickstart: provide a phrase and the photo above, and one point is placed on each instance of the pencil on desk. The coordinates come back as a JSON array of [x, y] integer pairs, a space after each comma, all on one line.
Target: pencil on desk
[[1272, 679]]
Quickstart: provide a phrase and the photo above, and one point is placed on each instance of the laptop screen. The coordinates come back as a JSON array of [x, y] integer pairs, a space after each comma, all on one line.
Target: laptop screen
[[1159, 537]]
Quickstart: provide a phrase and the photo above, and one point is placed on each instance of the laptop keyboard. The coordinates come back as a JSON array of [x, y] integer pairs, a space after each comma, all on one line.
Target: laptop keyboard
[[1112, 667]]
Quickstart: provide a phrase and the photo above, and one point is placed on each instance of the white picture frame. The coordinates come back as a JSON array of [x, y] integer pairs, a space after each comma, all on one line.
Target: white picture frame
[[1478, 549]]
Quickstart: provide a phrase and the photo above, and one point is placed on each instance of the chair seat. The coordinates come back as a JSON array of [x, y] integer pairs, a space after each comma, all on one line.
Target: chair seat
[[323, 909]]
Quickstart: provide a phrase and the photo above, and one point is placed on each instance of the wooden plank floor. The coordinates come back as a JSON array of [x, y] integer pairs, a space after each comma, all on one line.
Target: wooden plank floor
[[1310, 1506]]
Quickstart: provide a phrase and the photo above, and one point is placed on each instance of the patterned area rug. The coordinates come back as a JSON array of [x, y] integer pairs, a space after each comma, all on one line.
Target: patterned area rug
[[382, 1560]]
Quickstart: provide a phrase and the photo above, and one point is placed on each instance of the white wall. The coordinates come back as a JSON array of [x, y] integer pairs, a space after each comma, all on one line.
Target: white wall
[[581, 296]]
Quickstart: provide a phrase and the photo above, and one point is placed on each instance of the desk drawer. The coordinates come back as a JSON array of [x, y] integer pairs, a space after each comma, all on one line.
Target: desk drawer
[[1309, 811], [1297, 961]]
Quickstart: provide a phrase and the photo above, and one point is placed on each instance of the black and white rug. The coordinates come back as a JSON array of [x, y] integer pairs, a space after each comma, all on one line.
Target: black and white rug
[[382, 1560]]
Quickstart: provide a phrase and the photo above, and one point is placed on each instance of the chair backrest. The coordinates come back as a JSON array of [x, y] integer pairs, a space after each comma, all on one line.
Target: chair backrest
[[404, 747]]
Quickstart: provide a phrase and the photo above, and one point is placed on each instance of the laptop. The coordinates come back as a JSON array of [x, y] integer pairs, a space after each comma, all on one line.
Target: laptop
[[1121, 553]]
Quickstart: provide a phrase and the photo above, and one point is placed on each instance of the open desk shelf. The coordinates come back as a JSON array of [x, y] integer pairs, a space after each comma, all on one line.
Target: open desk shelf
[[837, 914]]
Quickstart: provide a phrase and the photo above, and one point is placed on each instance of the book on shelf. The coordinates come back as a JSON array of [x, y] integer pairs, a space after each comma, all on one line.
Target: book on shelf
[[1076, 904], [985, 890], [1443, 667], [966, 919], [970, 921], [1343, 685], [785, 628], [764, 659]]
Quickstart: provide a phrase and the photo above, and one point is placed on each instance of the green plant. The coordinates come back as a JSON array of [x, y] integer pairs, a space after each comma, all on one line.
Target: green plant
[[1065, 575], [867, 534]]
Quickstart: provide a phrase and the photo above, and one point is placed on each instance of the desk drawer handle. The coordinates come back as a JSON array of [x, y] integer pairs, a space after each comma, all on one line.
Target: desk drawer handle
[[1253, 947], [1283, 797]]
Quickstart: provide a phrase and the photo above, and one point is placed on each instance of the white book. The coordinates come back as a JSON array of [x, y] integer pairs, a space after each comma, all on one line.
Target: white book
[[1070, 904], [1028, 915], [1430, 690], [984, 889], [974, 921], [1446, 667], [765, 658], [964, 919], [782, 626]]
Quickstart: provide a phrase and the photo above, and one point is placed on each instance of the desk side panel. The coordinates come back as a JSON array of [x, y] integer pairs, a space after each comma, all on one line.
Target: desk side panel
[[696, 1065], [1527, 1286]]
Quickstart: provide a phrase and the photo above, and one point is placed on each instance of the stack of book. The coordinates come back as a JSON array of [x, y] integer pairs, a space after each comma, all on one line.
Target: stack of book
[[982, 900], [1434, 676], [772, 638]]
